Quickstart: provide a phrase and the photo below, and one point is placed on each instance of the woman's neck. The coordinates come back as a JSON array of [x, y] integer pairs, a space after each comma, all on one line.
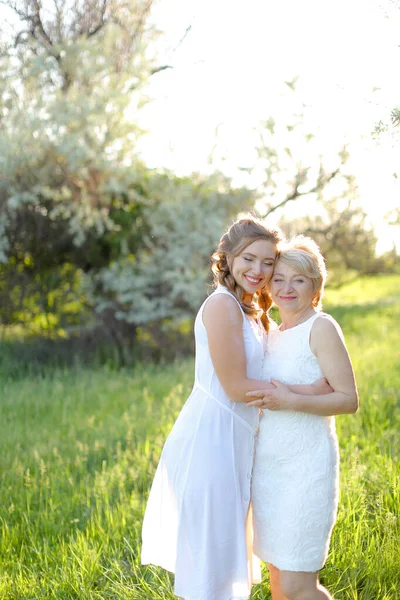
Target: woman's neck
[[290, 319]]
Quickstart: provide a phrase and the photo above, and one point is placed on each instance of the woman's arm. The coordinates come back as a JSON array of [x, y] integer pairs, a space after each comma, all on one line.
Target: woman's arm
[[328, 345], [223, 321]]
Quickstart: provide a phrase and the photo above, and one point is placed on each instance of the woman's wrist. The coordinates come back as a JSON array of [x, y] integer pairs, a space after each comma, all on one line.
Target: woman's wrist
[[293, 400]]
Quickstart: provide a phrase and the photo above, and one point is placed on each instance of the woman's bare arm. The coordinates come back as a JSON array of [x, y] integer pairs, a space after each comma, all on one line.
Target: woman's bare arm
[[223, 321]]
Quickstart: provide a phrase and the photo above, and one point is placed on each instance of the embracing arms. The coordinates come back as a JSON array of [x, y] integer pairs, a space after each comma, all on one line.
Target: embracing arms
[[328, 346], [223, 321], [224, 325]]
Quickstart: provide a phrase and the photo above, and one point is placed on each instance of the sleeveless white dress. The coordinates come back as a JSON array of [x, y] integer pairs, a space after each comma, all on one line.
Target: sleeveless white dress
[[296, 471], [197, 522]]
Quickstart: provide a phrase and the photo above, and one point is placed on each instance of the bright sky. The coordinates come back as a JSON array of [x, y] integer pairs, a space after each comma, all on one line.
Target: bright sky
[[228, 74]]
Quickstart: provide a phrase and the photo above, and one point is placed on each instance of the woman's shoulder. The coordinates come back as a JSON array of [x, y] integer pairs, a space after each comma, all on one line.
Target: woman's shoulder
[[222, 305], [324, 324], [220, 298]]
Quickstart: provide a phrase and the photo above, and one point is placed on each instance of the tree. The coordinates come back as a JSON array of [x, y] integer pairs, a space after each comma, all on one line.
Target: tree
[[165, 281], [72, 72], [344, 235], [290, 173], [291, 169], [289, 166], [81, 216]]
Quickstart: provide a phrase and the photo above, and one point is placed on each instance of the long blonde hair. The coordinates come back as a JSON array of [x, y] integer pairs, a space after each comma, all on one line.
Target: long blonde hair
[[241, 234]]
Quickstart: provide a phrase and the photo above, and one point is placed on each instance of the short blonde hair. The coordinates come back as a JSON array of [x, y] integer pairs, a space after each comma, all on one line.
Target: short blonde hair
[[304, 255]]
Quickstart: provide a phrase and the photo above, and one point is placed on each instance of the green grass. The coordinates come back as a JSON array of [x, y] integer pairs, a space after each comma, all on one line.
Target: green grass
[[78, 450]]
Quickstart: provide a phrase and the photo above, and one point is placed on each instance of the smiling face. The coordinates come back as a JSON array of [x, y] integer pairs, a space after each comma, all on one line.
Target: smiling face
[[291, 290], [253, 267]]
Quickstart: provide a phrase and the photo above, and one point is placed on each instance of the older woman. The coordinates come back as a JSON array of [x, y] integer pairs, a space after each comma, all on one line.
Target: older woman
[[296, 471]]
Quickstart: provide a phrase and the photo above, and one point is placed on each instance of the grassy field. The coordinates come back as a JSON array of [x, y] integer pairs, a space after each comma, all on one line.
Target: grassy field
[[79, 449]]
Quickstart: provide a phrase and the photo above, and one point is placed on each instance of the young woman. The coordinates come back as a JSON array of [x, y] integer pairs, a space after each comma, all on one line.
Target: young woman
[[197, 522], [296, 470]]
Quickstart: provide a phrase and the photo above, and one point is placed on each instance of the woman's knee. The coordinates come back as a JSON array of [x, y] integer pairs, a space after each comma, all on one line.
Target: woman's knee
[[274, 573], [297, 586]]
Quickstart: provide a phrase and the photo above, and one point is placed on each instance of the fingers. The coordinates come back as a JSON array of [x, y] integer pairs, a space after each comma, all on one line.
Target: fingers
[[257, 403], [265, 405], [263, 402], [256, 394]]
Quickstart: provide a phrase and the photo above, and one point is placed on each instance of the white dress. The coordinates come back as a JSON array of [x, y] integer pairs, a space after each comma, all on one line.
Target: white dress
[[197, 522], [296, 471]]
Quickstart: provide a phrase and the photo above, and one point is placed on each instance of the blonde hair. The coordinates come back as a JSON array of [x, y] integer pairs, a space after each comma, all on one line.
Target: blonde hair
[[304, 255], [241, 234]]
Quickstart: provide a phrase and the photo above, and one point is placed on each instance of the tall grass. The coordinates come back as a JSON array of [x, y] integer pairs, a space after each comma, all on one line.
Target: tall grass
[[79, 448]]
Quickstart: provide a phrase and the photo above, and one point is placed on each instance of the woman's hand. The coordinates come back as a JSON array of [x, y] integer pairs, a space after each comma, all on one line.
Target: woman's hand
[[278, 399], [321, 387]]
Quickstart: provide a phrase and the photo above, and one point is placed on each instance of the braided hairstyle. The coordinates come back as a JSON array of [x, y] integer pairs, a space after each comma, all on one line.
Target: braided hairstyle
[[241, 234]]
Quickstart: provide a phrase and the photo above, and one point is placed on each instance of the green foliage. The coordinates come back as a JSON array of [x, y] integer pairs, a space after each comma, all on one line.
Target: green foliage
[[345, 239], [67, 145], [79, 449], [166, 277], [81, 220], [89, 237], [343, 232]]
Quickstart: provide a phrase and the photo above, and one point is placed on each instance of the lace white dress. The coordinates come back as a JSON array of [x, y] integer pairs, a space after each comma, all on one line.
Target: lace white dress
[[197, 522], [296, 471]]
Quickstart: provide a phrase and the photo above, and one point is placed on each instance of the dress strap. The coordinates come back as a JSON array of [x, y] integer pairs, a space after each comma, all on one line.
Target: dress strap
[[306, 327], [329, 318], [312, 319]]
